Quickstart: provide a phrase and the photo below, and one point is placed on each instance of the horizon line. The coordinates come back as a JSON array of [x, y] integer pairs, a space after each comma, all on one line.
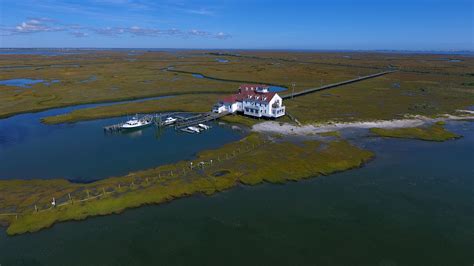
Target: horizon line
[[250, 49]]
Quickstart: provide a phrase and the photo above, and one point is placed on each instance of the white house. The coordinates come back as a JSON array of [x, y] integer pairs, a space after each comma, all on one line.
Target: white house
[[252, 100]]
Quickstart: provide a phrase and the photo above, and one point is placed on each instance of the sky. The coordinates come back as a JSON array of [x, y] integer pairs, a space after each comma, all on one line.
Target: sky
[[240, 24]]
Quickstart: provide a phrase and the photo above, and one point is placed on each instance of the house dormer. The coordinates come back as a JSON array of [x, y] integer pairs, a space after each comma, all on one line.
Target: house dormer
[[262, 89]]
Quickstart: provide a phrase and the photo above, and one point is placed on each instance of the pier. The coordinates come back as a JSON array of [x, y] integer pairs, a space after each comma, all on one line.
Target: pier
[[198, 119], [182, 123]]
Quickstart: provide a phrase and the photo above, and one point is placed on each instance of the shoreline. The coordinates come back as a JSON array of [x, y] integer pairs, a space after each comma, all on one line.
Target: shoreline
[[273, 127], [145, 188], [169, 182]]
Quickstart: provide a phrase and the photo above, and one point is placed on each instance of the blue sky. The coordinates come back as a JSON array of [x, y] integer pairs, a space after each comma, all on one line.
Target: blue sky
[[336, 24]]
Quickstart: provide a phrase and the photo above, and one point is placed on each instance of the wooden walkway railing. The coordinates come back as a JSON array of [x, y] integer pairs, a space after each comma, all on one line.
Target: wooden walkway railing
[[202, 118], [329, 86]]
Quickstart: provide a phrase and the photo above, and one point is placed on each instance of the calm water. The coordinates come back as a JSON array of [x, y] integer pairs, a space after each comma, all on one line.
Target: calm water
[[26, 83], [199, 76], [81, 151], [277, 89], [412, 205], [220, 60], [23, 83]]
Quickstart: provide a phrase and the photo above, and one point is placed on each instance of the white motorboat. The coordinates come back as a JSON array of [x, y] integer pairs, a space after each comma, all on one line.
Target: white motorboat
[[136, 123], [194, 129], [205, 127], [170, 120]]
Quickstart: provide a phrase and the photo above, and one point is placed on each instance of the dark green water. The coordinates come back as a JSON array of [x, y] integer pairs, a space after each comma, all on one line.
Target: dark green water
[[412, 205], [82, 152]]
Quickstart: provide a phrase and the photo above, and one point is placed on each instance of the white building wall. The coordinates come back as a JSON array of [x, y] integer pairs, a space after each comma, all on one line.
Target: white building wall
[[264, 109]]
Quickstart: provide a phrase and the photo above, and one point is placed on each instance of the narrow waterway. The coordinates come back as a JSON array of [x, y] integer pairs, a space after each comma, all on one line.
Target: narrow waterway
[[412, 205]]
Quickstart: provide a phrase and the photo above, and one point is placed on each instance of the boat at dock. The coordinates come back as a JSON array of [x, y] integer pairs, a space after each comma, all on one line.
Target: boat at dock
[[205, 127], [169, 121], [194, 129], [137, 123]]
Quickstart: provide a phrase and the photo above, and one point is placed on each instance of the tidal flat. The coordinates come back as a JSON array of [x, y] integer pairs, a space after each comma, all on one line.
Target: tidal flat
[[434, 132]]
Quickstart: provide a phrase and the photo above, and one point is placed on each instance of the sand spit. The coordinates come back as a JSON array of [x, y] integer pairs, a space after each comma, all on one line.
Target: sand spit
[[413, 121]]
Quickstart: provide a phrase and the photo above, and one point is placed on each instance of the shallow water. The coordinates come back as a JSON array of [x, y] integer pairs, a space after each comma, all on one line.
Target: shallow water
[[451, 60], [412, 205], [277, 89], [26, 83], [199, 76], [23, 83], [83, 152]]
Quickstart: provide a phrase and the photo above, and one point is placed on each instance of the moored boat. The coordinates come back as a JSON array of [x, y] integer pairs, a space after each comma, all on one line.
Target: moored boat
[[170, 120], [136, 123], [194, 129], [205, 127]]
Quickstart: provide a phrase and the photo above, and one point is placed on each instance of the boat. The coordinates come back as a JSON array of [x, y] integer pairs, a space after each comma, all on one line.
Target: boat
[[205, 127], [136, 123], [194, 129], [170, 120]]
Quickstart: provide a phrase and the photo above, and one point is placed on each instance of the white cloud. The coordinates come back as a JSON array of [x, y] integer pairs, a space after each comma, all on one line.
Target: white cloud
[[37, 25], [222, 35]]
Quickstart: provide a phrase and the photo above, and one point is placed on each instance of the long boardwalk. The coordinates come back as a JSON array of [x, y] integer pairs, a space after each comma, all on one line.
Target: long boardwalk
[[329, 86]]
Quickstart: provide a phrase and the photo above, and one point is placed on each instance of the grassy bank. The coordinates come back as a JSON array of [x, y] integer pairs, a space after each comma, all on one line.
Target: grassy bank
[[435, 132], [235, 163], [181, 103], [384, 98]]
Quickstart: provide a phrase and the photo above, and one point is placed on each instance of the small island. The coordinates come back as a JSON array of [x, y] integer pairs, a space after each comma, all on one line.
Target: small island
[[435, 132], [250, 161]]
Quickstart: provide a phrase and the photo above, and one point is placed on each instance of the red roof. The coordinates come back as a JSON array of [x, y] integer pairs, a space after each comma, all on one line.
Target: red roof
[[247, 91]]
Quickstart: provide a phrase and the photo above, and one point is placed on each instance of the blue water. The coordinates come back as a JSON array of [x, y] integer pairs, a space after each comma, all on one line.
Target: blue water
[[52, 82], [412, 205], [277, 89], [82, 151], [220, 60], [23, 83], [199, 76], [451, 60]]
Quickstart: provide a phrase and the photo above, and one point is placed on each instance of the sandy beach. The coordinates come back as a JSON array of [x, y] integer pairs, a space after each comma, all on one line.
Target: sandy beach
[[413, 121]]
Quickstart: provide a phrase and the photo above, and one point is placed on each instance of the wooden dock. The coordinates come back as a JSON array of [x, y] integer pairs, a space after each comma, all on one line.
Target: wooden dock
[[182, 123], [158, 118], [329, 86], [198, 119]]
